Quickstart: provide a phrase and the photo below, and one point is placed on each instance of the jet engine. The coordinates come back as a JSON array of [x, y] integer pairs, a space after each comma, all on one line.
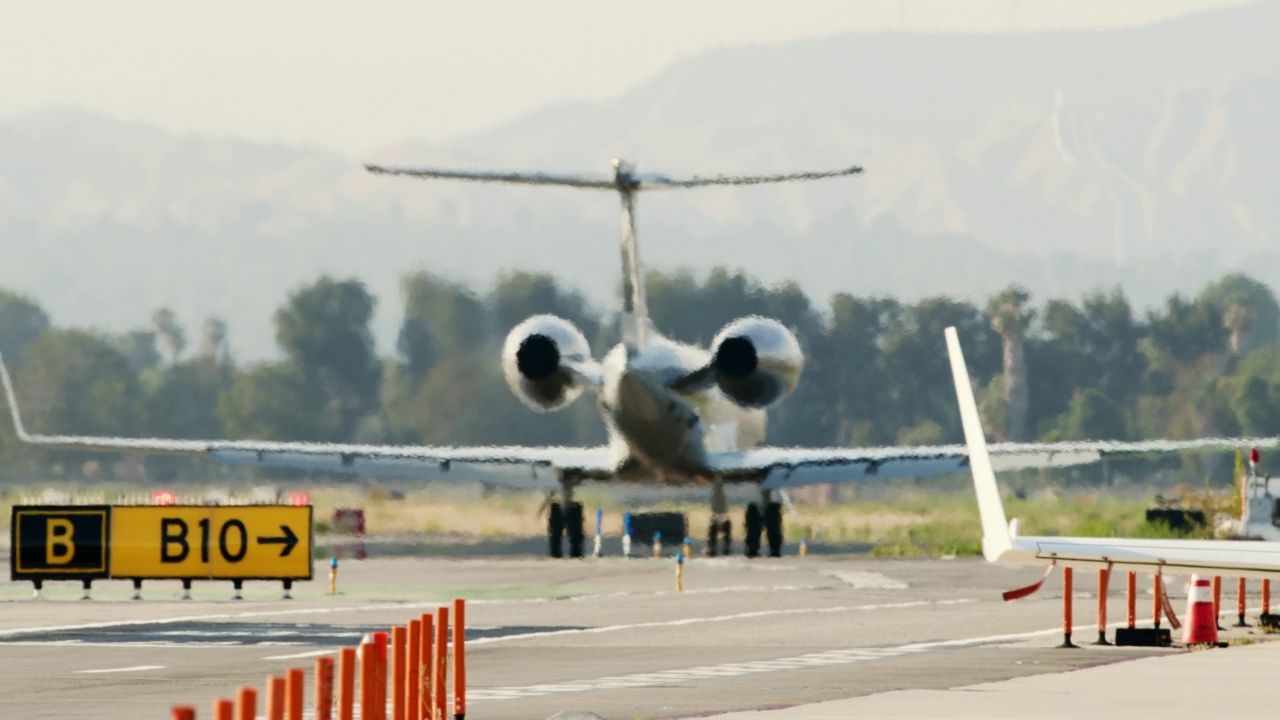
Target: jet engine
[[756, 361], [538, 359]]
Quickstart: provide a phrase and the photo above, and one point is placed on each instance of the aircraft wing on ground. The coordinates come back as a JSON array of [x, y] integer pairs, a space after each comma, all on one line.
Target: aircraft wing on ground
[[1001, 542], [541, 467]]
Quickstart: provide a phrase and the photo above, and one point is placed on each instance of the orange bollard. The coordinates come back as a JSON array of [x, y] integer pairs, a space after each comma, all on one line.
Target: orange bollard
[[1067, 613], [427, 667], [368, 676], [1266, 597], [184, 712], [224, 710], [294, 680], [380, 676], [440, 668], [346, 684], [1240, 593], [1155, 601], [1131, 598], [1104, 578], [246, 704], [459, 659], [1217, 600], [324, 688], [399, 639], [413, 671], [275, 698]]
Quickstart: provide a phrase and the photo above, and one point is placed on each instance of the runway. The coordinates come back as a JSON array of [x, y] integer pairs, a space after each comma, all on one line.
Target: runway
[[608, 636]]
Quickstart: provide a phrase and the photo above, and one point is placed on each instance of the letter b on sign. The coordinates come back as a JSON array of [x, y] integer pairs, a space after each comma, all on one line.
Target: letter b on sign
[[51, 542]]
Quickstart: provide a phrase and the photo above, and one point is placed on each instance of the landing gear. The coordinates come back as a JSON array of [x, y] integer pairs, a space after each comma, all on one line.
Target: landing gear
[[767, 523], [565, 518], [751, 529], [573, 528], [555, 528], [773, 528], [721, 528]]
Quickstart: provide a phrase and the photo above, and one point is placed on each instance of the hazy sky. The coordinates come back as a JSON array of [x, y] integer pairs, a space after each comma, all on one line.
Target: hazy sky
[[356, 76]]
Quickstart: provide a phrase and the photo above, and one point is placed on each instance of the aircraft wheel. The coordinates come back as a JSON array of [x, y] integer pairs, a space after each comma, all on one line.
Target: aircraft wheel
[[555, 528], [726, 532], [751, 531], [773, 528], [573, 528], [713, 534]]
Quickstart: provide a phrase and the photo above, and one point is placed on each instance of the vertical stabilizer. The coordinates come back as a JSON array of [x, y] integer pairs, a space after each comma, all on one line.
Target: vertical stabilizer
[[995, 529], [635, 312]]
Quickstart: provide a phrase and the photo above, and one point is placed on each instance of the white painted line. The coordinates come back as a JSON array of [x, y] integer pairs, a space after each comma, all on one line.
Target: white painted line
[[135, 668], [713, 619], [317, 653]]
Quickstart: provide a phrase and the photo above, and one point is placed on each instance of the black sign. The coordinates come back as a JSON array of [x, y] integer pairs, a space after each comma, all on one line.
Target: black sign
[[49, 542]]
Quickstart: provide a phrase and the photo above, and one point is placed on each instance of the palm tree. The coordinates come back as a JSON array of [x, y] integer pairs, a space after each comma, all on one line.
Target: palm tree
[[1010, 318], [171, 334]]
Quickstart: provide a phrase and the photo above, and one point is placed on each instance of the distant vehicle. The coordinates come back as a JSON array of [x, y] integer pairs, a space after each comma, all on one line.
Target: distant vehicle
[[675, 413], [1001, 542]]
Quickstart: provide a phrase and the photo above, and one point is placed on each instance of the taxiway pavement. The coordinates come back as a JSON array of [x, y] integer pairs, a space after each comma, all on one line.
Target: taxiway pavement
[[608, 636]]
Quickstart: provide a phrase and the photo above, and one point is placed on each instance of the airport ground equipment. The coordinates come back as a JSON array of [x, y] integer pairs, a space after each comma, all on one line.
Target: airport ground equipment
[[148, 542]]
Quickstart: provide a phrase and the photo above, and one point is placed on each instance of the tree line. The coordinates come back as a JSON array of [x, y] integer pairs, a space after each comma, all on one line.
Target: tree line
[[876, 373]]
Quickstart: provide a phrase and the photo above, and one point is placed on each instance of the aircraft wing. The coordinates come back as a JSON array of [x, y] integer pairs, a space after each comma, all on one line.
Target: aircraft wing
[[1001, 542]]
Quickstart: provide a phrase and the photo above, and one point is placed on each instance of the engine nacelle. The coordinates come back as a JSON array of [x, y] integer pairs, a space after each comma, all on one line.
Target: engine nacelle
[[533, 357], [757, 361]]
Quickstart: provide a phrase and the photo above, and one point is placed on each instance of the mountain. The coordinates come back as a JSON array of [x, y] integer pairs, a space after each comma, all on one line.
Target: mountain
[[1064, 161]]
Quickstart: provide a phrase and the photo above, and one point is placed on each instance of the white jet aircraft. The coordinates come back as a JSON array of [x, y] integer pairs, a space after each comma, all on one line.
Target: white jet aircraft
[[674, 413], [1001, 542]]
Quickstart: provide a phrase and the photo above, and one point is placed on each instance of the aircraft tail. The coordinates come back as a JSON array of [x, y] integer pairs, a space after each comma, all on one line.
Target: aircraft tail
[[9, 395], [635, 311], [995, 529]]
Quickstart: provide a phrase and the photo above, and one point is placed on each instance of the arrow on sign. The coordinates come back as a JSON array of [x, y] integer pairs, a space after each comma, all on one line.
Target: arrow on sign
[[288, 540]]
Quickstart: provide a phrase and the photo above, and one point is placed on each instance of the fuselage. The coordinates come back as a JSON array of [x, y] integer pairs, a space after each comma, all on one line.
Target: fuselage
[[661, 434]]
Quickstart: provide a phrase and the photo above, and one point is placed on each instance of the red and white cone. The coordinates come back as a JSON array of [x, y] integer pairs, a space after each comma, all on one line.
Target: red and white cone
[[1202, 626]]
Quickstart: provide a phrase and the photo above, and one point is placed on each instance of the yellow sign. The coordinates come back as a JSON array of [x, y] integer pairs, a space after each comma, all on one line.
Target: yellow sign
[[59, 542], [252, 542]]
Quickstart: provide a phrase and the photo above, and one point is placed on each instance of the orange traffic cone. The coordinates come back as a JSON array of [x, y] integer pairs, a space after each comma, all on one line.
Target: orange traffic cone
[[1202, 626]]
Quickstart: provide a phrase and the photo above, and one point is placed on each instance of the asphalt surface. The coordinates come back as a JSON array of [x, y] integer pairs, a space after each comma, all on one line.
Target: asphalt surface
[[608, 636]]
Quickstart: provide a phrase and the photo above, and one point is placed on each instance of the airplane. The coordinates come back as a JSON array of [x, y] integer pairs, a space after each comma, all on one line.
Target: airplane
[[674, 413], [1002, 543]]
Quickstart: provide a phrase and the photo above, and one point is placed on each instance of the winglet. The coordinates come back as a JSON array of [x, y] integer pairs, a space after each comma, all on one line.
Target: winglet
[[13, 403], [995, 529]]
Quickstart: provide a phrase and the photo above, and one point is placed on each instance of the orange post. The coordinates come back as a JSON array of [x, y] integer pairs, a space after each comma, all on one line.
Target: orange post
[[246, 704], [428, 665], [1066, 608], [294, 679], [368, 676], [1131, 599], [459, 659], [1217, 600], [413, 671], [399, 641], [184, 712], [224, 710], [380, 676], [1155, 600], [1266, 597], [1104, 577], [1240, 593], [324, 688], [346, 684], [440, 667], [275, 698]]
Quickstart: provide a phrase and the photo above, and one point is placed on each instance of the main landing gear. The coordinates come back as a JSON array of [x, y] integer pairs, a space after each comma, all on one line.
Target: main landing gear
[[720, 527], [767, 522], [565, 520]]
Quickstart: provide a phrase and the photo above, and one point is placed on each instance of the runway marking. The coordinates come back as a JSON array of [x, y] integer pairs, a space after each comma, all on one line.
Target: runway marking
[[714, 619], [706, 672], [866, 580], [316, 653], [135, 668]]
